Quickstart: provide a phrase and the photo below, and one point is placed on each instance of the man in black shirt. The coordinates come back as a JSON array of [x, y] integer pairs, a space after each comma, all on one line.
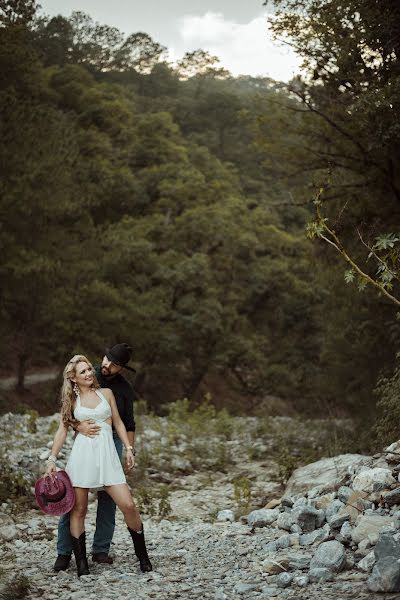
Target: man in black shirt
[[109, 376]]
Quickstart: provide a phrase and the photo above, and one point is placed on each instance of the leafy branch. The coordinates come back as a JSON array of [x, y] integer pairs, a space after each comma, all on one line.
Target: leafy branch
[[386, 272]]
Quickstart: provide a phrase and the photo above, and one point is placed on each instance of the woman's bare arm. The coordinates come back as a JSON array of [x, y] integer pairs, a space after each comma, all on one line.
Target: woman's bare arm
[[58, 443]]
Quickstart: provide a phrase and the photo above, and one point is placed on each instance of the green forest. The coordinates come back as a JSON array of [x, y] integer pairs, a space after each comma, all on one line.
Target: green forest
[[240, 233]]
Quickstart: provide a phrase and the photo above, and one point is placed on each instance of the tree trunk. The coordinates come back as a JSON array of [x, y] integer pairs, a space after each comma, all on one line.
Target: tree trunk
[[195, 381], [21, 371]]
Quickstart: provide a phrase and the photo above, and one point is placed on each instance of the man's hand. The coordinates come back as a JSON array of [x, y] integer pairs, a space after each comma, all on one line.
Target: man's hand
[[130, 460], [89, 428]]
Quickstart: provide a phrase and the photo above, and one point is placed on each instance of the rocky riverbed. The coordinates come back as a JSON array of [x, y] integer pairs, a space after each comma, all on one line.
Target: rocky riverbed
[[218, 523]]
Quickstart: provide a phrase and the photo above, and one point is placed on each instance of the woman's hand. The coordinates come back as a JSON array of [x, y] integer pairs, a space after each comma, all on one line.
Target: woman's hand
[[130, 460], [51, 468]]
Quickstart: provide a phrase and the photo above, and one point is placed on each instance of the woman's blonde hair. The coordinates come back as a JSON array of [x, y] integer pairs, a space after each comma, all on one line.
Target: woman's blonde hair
[[68, 395]]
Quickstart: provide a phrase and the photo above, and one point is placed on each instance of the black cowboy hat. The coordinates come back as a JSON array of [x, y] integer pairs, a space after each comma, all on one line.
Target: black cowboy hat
[[120, 354]]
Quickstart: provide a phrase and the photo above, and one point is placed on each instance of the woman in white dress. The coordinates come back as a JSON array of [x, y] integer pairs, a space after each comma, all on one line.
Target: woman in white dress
[[94, 462]]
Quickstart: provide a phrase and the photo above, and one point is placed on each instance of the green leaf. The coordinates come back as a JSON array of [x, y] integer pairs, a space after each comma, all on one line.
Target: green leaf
[[349, 276]]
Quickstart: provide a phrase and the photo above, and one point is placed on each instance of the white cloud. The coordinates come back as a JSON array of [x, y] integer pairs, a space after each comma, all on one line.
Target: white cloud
[[243, 48]]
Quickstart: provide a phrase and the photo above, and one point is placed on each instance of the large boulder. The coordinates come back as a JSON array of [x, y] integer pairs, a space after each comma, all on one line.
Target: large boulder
[[373, 480], [385, 576], [326, 474]]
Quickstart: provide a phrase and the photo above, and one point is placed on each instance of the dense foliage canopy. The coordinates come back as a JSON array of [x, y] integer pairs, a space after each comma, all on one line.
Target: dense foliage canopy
[[166, 205]]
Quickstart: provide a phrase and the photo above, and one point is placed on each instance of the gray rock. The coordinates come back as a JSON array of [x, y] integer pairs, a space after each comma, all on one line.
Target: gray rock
[[313, 493], [284, 580], [262, 517], [367, 562], [325, 474], [373, 538], [243, 588], [270, 548], [370, 523], [392, 497], [336, 521], [299, 562], [370, 480], [284, 521], [346, 531], [307, 517], [302, 501], [330, 555], [287, 501], [319, 535], [301, 581], [385, 576], [269, 591], [363, 548], [179, 463], [344, 493], [388, 544], [283, 542], [8, 530], [226, 515], [320, 575], [333, 508]]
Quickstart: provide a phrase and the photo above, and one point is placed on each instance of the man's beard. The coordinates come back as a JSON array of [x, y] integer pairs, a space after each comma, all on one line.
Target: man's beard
[[107, 373]]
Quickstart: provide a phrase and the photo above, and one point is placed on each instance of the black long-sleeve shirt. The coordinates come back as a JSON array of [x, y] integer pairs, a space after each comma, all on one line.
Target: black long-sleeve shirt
[[124, 396]]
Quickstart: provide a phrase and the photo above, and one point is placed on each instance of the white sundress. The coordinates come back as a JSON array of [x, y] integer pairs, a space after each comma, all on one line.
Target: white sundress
[[94, 462]]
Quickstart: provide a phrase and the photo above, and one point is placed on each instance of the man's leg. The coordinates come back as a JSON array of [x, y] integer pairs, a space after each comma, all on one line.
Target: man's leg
[[64, 544], [105, 520]]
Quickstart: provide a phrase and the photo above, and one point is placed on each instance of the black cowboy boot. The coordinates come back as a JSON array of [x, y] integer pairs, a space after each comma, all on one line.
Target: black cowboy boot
[[140, 550], [62, 562], [79, 548]]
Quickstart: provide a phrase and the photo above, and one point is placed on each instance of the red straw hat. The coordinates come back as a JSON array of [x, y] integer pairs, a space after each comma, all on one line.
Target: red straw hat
[[55, 496]]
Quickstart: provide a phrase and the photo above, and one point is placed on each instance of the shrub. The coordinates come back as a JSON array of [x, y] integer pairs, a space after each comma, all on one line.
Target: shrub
[[387, 428], [24, 409], [15, 589], [242, 493], [203, 419], [154, 501], [13, 484], [53, 428]]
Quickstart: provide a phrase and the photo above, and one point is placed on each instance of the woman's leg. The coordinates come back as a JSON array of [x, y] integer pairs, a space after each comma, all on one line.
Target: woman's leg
[[78, 513], [123, 499]]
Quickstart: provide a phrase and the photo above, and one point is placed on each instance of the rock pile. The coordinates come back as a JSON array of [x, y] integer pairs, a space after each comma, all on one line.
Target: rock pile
[[334, 533], [349, 521]]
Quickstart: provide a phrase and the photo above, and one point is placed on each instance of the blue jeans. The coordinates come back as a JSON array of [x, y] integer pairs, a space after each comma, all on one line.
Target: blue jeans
[[105, 521]]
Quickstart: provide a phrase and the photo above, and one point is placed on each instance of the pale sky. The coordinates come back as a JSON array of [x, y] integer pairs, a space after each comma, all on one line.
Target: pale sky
[[235, 31]]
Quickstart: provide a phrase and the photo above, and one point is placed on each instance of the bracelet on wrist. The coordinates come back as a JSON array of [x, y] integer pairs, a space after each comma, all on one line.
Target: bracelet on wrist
[[52, 459], [132, 449]]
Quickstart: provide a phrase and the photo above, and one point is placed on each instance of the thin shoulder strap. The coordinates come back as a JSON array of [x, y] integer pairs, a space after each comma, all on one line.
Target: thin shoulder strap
[[101, 395]]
